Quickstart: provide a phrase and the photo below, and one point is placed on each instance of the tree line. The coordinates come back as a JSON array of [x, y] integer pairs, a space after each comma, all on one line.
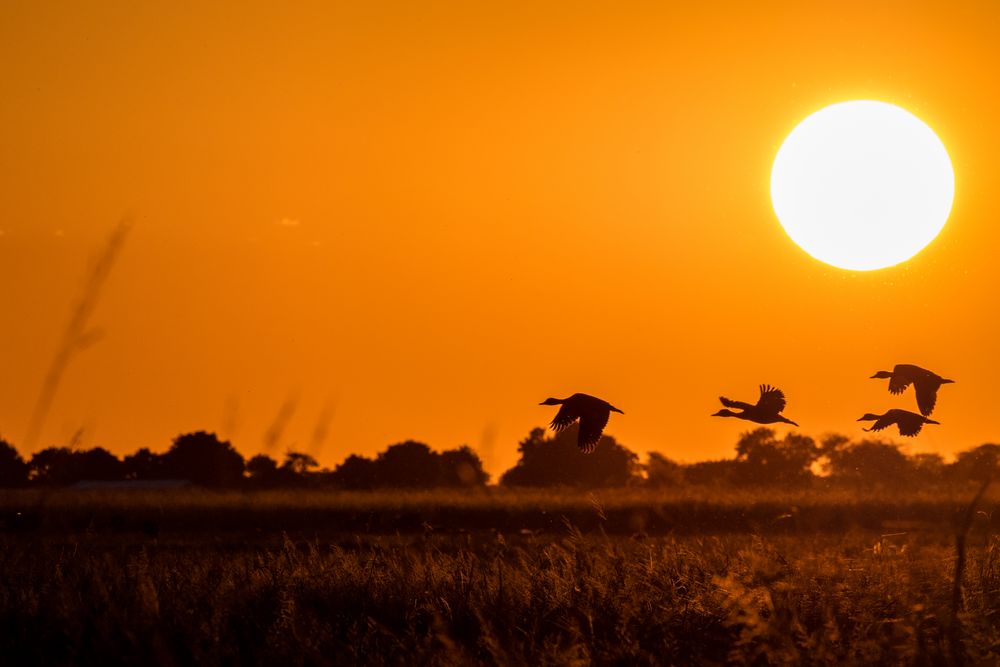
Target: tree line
[[761, 460]]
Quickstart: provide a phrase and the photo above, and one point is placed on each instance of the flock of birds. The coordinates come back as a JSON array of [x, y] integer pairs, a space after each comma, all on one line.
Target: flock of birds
[[593, 413]]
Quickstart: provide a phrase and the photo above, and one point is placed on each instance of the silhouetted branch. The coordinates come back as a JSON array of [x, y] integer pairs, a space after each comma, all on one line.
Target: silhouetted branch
[[76, 336]]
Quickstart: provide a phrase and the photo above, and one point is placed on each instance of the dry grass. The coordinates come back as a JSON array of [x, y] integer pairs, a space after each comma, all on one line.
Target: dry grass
[[860, 594]]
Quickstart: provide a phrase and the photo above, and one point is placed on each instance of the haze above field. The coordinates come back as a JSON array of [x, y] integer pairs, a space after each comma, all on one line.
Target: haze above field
[[425, 220]]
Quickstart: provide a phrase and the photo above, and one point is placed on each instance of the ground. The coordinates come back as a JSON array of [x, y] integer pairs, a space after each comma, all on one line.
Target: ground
[[620, 577]]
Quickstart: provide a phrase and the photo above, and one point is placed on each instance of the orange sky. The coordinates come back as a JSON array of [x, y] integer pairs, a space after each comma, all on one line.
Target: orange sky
[[430, 218]]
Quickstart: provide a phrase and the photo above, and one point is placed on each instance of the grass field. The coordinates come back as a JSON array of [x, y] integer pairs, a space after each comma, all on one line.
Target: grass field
[[616, 577]]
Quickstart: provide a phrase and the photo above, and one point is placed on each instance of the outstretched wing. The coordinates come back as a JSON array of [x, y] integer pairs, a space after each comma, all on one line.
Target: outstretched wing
[[903, 375], [885, 421], [926, 396], [591, 427], [729, 403], [909, 423], [564, 418], [771, 400]]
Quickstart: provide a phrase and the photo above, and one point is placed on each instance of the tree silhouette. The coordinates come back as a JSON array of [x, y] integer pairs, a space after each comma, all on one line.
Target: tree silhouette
[[143, 464], [663, 472], [712, 473], [558, 461], [13, 469], [263, 471], [461, 467], [299, 464], [408, 464], [204, 459], [63, 466], [928, 468], [763, 459], [50, 465], [977, 463], [872, 462], [97, 463], [411, 464], [355, 473]]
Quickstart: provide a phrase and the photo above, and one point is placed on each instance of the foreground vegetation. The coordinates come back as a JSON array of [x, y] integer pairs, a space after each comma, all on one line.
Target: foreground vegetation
[[281, 578], [305, 514]]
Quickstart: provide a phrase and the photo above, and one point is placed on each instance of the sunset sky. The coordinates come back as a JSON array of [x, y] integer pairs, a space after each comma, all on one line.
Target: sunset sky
[[424, 219]]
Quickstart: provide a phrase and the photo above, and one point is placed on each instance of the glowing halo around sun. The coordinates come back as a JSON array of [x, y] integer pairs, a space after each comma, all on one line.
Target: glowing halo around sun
[[862, 185]]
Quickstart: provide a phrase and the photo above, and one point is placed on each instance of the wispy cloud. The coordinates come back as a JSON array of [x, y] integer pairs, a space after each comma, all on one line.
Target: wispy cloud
[[289, 222]]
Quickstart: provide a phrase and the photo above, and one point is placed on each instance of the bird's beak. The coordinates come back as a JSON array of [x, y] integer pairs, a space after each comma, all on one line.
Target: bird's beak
[[861, 419], [947, 381], [874, 377], [931, 421]]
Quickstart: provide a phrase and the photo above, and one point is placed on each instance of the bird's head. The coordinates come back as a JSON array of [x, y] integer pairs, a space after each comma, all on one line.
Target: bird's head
[[869, 417], [551, 401], [724, 413], [881, 375]]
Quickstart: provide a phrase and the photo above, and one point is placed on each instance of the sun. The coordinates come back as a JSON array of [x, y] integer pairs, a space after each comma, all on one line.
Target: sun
[[862, 185]]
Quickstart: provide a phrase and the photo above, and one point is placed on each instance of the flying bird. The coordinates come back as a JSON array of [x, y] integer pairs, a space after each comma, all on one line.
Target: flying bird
[[592, 412], [909, 423], [924, 382], [766, 410]]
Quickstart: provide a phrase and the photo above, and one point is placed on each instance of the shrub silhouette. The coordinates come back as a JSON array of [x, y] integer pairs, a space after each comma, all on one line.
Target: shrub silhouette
[[558, 461], [13, 469], [204, 459]]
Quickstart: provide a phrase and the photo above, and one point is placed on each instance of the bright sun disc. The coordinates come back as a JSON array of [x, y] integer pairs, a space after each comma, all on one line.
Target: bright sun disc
[[862, 185]]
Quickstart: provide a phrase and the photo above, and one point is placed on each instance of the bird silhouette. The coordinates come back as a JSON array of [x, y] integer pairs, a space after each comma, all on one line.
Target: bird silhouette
[[592, 412], [909, 423], [770, 403], [924, 382]]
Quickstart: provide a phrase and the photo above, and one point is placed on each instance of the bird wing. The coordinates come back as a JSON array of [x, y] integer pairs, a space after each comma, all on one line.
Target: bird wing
[[903, 375], [882, 422], [729, 403], [771, 400], [591, 427], [909, 423], [926, 396], [564, 418]]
